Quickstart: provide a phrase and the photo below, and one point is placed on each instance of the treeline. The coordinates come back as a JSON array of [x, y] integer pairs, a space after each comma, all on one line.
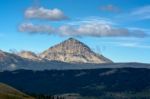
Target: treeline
[[48, 97]]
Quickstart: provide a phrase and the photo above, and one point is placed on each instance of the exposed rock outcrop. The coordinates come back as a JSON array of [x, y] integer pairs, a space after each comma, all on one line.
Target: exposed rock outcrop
[[72, 51]]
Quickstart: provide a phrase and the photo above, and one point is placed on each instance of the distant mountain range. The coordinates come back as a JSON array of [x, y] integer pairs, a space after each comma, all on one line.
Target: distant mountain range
[[70, 54], [71, 51], [10, 61]]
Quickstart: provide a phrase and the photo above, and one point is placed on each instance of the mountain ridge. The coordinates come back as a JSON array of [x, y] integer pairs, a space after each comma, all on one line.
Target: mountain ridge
[[65, 53], [72, 50]]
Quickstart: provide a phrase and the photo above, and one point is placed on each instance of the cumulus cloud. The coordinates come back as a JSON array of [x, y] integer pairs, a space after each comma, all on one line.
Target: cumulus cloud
[[110, 8], [99, 30], [43, 13], [93, 29], [31, 28]]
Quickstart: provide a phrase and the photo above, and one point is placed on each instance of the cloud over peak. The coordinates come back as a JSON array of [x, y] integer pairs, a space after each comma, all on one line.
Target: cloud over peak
[[99, 30], [93, 29], [43, 13]]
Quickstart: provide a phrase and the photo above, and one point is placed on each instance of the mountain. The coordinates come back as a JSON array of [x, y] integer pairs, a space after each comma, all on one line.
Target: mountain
[[8, 92], [6, 57], [28, 55], [70, 51], [67, 55], [9, 61], [73, 51]]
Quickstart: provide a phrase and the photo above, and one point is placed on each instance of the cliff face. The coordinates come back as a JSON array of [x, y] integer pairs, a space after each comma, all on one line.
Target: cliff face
[[73, 51]]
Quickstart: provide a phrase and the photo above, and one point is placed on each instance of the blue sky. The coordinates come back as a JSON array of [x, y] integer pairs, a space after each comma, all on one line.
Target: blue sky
[[118, 29]]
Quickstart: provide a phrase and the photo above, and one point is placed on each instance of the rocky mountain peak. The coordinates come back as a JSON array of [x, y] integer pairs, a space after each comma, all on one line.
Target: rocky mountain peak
[[72, 50], [28, 55], [72, 40]]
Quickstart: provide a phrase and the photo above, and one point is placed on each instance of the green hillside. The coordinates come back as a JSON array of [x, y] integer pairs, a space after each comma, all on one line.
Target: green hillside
[[7, 92]]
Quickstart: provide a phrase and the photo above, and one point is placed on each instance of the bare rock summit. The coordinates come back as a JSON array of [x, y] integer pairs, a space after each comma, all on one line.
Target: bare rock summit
[[28, 55], [73, 51]]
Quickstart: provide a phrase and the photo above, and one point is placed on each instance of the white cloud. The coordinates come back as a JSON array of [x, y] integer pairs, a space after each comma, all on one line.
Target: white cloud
[[128, 44], [31, 28], [98, 28], [134, 45], [142, 12], [134, 15], [93, 29], [43, 13], [92, 19]]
